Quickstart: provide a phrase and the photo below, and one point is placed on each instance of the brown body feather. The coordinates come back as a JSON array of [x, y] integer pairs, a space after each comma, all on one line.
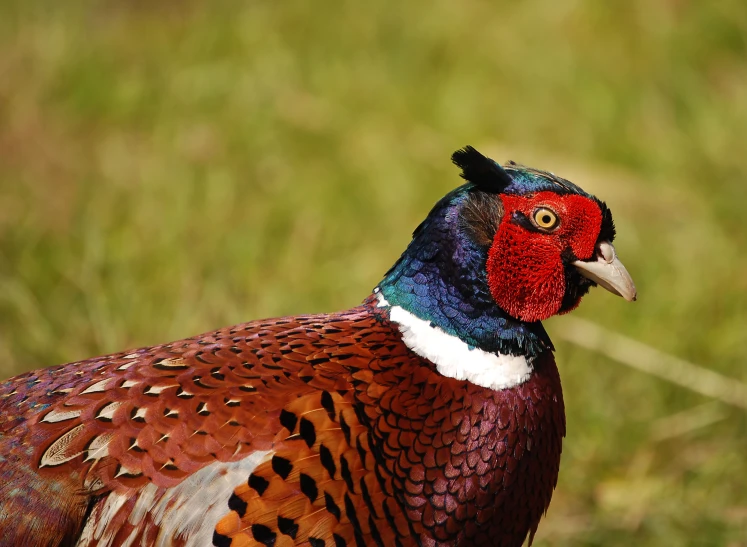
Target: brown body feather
[[357, 441]]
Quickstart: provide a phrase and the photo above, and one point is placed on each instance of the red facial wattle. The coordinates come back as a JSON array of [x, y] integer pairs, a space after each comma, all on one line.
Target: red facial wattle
[[525, 268]]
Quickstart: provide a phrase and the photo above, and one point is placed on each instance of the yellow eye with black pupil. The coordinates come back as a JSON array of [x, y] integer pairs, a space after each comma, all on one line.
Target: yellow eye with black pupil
[[545, 218]]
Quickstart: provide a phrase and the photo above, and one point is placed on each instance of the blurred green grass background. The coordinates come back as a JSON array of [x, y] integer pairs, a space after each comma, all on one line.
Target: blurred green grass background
[[169, 167]]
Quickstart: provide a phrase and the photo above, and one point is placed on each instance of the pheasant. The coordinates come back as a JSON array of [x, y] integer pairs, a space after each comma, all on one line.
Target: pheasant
[[430, 415]]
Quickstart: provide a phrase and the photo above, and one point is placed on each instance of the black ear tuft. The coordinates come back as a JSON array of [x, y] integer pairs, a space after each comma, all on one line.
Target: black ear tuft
[[607, 231], [482, 171]]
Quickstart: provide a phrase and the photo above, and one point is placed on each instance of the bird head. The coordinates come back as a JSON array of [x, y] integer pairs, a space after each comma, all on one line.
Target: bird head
[[547, 240], [504, 251]]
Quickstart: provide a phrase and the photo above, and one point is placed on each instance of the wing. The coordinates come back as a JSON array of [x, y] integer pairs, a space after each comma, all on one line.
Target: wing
[[142, 446], [320, 430]]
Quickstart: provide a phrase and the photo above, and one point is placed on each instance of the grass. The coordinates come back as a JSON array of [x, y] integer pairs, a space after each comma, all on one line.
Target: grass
[[171, 167]]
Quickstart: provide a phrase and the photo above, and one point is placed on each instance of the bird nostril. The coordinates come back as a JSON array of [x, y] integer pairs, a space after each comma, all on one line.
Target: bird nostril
[[606, 251]]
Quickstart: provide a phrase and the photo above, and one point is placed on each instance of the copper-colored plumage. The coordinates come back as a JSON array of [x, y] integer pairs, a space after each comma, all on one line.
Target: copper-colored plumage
[[367, 444]]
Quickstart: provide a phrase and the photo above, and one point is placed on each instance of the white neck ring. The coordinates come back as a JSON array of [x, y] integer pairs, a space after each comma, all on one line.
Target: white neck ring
[[453, 357]]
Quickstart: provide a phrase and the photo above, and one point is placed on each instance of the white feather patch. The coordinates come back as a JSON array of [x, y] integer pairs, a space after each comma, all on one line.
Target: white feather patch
[[59, 451], [107, 412], [99, 447], [140, 413], [97, 387], [56, 415], [186, 513], [156, 390], [453, 357]]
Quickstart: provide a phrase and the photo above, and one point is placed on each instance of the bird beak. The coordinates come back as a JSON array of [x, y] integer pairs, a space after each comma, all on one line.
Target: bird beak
[[606, 270]]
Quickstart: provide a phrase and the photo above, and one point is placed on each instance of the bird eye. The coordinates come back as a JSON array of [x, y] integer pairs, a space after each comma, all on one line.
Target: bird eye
[[545, 218]]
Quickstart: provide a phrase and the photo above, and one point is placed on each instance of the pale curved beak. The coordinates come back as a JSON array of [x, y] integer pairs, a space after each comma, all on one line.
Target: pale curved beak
[[607, 271]]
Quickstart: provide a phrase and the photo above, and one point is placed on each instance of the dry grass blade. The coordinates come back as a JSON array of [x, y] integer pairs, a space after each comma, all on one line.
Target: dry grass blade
[[688, 421], [652, 361]]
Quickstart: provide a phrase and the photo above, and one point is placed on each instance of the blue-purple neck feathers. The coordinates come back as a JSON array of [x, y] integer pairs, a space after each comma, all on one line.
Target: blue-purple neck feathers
[[441, 277]]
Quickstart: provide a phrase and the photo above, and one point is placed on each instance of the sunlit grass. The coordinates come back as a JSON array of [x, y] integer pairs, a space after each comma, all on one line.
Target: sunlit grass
[[167, 169]]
